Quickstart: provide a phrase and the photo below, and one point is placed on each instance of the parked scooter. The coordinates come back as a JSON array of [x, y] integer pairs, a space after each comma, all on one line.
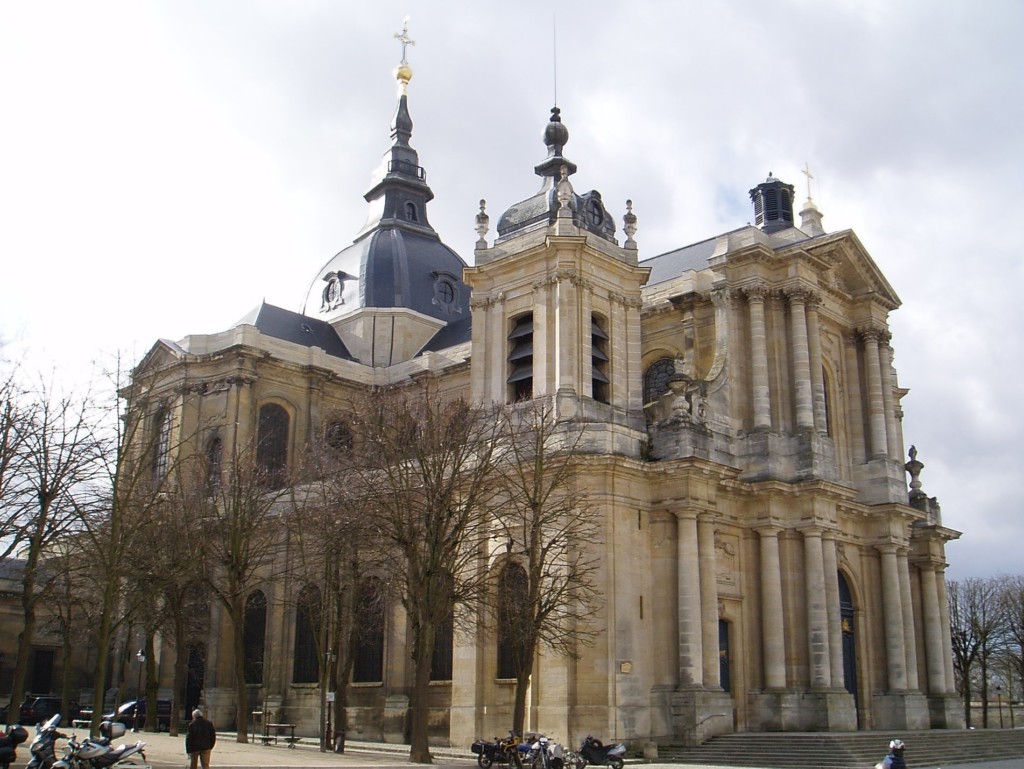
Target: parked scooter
[[44, 745], [99, 754], [9, 741], [593, 751]]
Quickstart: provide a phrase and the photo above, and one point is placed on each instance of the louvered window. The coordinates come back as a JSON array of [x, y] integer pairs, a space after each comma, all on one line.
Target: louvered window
[[520, 359], [599, 361]]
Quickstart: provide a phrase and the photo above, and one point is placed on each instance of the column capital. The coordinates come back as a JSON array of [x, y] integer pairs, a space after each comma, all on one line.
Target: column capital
[[756, 292], [801, 295], [875, 332]]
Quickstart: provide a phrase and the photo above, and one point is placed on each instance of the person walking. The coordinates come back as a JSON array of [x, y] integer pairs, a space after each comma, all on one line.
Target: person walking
[[199, 740]]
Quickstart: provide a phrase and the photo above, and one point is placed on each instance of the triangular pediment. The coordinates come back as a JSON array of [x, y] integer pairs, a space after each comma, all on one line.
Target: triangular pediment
[[162, 354], [851, 270]]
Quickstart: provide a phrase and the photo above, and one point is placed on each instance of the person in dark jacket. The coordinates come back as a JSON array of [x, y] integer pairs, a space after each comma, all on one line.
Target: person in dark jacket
[[894, 759], [199, 740]]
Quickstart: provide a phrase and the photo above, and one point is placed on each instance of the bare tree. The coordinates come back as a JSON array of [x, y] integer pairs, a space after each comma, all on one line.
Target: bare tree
[[13, 432], [242, 534], [135, 461], [58, 461], [1011, 592], [549, 593], [167, 569], [975, 624], [336, 547], [425, 474]]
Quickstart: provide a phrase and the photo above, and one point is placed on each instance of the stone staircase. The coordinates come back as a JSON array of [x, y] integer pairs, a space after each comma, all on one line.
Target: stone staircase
[[849, 750]]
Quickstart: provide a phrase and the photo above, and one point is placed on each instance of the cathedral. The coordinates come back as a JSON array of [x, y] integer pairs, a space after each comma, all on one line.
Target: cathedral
[[770, 561]]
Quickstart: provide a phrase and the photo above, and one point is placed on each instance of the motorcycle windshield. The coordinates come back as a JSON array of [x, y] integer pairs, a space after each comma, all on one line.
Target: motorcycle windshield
[[53, 723]]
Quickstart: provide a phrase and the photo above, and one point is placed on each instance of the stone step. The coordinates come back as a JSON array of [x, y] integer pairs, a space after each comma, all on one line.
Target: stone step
[[859, 750]]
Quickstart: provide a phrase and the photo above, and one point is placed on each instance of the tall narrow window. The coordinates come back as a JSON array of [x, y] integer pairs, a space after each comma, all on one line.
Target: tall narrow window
[[255, 636], [214, 455], [599, 361], [520, 359], [161, 444], [513, 592], [306, 667], [369, 657], [272, 445], [441, 663]]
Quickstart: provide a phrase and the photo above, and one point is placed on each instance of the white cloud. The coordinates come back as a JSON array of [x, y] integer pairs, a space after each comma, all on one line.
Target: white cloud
[[166, 165]]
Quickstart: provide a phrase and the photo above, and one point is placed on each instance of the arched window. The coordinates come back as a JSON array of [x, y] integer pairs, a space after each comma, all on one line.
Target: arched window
[[161, 443], [368, 666], [214, 455], [441, 663], [657, 378], [410, 211], [306, 667], [255, 636], [272, 445], [513, 599]]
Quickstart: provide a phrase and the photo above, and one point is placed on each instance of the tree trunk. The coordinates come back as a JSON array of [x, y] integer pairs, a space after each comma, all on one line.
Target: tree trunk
[[241, 689], [423, 648], [180, 672]]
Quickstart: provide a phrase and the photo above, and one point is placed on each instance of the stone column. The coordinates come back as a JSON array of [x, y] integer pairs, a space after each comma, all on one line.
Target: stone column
[[818, 640], [543, 336], [634, 353], [817, 375], [691, 664], [832, 609], [947, 640], [892, 620], [876, 402], [708, 601], [761, 395], [854, 400], [801, 359], [909, 635], [567, 356], [889, 398], [771, 610], [932, 630]]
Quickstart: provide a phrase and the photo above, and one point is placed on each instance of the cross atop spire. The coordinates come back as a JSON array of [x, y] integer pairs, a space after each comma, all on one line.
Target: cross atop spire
[[807, 172], [404, 39]]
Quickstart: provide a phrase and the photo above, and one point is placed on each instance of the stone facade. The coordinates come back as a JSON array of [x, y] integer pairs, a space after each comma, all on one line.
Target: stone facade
[[764, 567]]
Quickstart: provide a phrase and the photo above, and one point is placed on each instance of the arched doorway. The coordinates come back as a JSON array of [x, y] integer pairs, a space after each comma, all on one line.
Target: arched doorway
[[846, 617]]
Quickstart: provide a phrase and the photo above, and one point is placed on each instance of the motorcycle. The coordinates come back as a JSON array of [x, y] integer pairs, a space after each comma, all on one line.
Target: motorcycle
[[9, 742], [544, 754], [99, 754], [593, 751], [43, 746], [508, 751]]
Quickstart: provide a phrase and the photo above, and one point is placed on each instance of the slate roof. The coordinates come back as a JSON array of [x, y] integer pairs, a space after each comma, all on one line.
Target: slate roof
[[296, 328]]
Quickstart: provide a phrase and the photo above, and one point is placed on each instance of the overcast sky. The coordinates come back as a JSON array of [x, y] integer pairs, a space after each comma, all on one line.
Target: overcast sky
[[165, 166]]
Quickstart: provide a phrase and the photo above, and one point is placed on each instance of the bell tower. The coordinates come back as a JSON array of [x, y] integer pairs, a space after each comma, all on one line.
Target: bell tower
[[556, 304]]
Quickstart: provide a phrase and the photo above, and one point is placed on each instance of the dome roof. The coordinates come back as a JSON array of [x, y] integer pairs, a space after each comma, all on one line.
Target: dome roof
[[391, 267], [398, 259], [541, 209]]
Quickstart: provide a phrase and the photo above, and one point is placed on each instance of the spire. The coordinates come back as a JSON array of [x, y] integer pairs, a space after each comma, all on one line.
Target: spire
[[400, 193], [810, 216]]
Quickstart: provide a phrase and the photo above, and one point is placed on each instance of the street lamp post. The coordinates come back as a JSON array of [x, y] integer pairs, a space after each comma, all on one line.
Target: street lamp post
[[141, 657], [999, 704]]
